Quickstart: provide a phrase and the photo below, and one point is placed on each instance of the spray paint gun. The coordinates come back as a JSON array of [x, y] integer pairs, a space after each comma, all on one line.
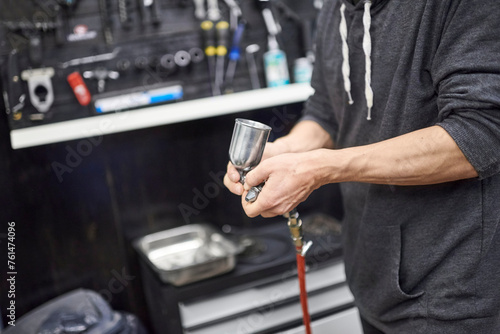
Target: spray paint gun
[[245, 152], [246, 149]]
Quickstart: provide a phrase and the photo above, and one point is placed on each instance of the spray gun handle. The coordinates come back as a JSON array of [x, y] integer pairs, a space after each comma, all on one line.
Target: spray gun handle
[[253, 193]]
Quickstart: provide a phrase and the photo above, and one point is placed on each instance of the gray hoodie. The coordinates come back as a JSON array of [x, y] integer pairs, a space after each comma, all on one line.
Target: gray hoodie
[[419, 259]]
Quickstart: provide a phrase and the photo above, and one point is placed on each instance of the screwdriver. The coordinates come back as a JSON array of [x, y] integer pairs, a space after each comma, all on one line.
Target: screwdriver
[[234, 56], [207, 28], [222, 29]]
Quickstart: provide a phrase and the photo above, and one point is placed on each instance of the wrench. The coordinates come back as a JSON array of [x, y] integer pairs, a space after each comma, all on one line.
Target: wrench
[[91, 59]]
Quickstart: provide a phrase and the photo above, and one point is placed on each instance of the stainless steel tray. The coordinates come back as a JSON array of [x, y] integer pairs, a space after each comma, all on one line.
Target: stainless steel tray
[[189, 253]]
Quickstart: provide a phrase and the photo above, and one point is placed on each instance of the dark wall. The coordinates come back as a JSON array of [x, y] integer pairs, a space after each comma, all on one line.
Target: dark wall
[[77, 205], [76, 215]]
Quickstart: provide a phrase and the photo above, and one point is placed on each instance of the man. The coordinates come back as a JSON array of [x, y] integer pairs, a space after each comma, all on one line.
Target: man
[[406, 117]]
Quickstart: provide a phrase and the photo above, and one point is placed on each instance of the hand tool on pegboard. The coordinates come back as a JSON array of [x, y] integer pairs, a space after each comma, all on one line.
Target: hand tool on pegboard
[[79, 88], [125, 10], [101, 74], [250, 52], [106, 21], [14, 95], [150, 12], [208, 30], [234, 56], [91, 59], [40, 87], [213, 11], [222, 33], [199, 9], [234, 13]]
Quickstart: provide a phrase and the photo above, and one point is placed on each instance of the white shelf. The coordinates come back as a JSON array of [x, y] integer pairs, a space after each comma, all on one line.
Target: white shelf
[[159, 115]]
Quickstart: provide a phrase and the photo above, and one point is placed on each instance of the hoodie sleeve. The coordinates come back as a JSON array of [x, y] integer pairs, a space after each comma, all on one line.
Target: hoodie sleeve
[[466, 70], [318, 107]]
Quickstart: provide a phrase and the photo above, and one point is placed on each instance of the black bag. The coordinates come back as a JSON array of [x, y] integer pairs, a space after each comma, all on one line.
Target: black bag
[[78, 311]]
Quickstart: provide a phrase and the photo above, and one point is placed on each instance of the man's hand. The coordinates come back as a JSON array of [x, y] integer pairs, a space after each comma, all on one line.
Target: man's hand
[[232, 180], [232, 177], [289, 180], [304, 137]]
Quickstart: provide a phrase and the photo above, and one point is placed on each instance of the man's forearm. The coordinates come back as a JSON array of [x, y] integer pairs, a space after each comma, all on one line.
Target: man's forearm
[[305, 136], [421, 157]]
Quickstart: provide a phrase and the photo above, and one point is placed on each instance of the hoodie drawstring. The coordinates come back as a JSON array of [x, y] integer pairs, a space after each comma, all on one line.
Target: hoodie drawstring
[[367, 48], [346, 69]]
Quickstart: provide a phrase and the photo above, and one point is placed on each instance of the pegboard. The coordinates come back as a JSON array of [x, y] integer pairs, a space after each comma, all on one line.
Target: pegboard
[[132, 43]]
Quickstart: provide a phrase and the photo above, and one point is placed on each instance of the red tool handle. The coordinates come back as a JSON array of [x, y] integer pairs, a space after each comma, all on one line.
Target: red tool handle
[[301, 270], [78, 86]]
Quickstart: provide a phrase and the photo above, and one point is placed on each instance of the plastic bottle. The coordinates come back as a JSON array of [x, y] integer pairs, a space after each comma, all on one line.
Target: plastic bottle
[[275, 65], [302, 70]]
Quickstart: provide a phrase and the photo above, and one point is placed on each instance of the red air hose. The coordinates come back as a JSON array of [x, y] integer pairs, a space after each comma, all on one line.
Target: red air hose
[[295, 226], [301, 270]]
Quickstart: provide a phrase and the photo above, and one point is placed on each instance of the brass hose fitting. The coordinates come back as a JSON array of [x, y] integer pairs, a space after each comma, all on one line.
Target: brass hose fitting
[[295, 226]]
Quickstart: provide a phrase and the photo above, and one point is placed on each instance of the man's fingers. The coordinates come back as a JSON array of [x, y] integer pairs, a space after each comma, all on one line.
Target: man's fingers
[[232, 173], [263, 206], [251, 209], [256, 176], [234, 187]]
